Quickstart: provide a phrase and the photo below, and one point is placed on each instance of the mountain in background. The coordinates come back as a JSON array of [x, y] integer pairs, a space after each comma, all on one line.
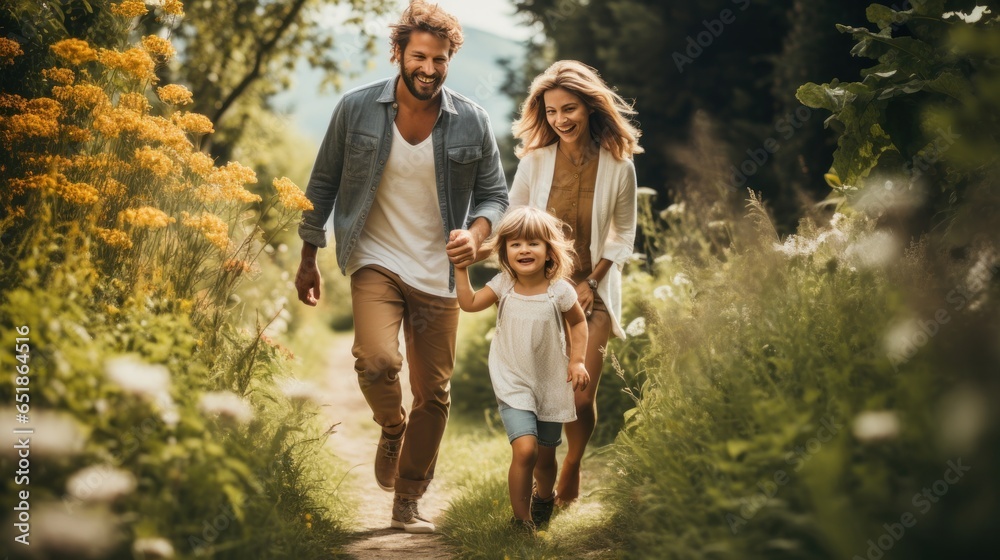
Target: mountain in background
[[474, 72]]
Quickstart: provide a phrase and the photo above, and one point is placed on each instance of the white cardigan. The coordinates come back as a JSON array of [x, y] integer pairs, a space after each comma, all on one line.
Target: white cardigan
[[613, 230]]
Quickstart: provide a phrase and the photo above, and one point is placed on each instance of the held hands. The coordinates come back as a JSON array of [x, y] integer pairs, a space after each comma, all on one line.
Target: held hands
[[577, 374], [462, 248], [308, 282]]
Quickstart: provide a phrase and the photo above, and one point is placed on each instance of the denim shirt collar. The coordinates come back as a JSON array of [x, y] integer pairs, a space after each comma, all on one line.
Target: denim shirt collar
[[389, 96]]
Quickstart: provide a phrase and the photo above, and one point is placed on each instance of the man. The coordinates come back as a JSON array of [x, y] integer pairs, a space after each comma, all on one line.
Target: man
[[402, 164]]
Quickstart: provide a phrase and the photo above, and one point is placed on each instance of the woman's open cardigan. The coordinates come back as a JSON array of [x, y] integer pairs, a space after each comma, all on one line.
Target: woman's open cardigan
[[613, 230]]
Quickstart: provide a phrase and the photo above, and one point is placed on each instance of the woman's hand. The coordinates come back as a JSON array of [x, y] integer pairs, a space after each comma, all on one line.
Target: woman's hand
[[585, 296]]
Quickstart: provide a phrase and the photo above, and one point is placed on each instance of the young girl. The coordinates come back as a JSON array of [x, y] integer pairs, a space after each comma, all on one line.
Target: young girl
[[528, 351]]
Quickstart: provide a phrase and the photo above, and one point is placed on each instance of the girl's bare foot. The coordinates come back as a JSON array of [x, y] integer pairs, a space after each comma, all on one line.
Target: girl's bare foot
[[568, 489]]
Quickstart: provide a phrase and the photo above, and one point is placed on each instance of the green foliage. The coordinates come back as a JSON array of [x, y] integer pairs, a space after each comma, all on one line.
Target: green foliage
[[924, 115]]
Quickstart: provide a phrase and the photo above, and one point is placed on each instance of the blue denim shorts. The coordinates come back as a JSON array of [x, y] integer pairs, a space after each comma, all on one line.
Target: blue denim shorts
[[519, 423]]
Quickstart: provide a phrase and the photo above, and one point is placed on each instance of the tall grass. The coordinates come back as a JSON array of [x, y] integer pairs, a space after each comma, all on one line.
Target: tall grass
[[163, 427]]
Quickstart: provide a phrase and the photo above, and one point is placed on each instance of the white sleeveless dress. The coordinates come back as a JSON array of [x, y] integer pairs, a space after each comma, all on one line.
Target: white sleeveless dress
[[528, 360]]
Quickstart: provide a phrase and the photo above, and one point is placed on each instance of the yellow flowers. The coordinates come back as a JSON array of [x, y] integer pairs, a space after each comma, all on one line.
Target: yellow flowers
[[134, 62], [58, 75], [173, 7], [158, 46], [174, 94], [40, 119], [290, 196], [129, 8], [215, 230], [193, 123], [154, 161], [226, 184], [82, 96], [135, 102], [146, 217], [114, 238], [74, 51], [9, 50]]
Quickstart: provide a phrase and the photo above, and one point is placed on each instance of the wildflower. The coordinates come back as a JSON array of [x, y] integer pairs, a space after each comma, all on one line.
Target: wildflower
[[100, 484], [134, 102], [63, 435], [158, 46], [78, 193], [82, 96], [675, 211], [173, 7], [226, 405], [875, 426], [663, 292], [134, 62], [637, 327], [40, 119], [154, 161], [226, 184], [74, 51], [137, 377], [130, 8], [290, 195], [681, 279], [193, 123], [158, 129], [174, 94], [299, 391], [215, 230], [76, 134], [199, 163], [147, 217], [63, 76], [62, 532], [236, 265], [9, 50], [152, 547], [112, 188], [12, 101], [114, 238]]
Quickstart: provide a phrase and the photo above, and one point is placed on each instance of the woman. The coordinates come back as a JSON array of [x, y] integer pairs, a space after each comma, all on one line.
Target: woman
[[576, 148]]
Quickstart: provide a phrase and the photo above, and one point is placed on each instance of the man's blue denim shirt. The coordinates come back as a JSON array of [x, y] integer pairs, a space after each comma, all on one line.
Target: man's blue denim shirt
[[348, 169]]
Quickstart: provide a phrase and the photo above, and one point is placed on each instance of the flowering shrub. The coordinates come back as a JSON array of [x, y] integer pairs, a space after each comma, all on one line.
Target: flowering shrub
[[165, 433]]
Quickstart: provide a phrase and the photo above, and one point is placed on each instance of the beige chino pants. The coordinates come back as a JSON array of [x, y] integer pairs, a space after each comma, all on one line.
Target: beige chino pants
[[383, 302]]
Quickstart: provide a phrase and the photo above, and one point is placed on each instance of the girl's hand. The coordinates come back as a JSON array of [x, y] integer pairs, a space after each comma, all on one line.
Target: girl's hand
[[578, 376], [585, 296]]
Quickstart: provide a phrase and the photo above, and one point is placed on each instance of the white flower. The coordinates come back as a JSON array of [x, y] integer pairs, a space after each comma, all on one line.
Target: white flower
[[681, 279], [663, 258], [663, 292], [636, 327], [675, 210], [56, 434], [879, 248], [137, 377], [871, 426], [84, 532], [226, 405], [100, 483], [837, 220], [796, 245], [155, 547], [299, 391], [645, 191]]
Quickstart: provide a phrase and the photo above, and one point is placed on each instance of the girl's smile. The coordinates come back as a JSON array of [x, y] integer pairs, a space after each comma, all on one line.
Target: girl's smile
[[527, 257]]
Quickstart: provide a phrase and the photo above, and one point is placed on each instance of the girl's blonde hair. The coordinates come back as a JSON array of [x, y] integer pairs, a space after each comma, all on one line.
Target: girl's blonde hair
[[610, 122], [526, 222]]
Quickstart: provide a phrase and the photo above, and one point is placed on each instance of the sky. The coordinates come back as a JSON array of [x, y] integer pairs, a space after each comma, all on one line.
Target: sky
[[495, 16]]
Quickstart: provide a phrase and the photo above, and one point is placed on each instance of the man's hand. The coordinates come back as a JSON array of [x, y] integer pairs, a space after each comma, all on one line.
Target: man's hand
[[462, 247], [308, 281]]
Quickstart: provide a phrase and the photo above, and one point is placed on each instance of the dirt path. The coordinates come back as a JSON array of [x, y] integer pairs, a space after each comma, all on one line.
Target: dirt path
[[355, 442]]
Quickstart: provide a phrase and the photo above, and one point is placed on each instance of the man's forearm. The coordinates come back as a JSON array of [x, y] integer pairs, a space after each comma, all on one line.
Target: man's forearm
[[309, 252]]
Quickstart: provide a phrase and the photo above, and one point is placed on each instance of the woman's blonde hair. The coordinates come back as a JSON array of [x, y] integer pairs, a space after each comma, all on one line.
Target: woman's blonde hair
[[610, 122], [527, 222], [423, 16]]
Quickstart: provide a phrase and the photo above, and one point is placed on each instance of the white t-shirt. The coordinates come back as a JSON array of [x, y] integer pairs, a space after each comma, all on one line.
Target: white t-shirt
[[404, 231], [528, 361]]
